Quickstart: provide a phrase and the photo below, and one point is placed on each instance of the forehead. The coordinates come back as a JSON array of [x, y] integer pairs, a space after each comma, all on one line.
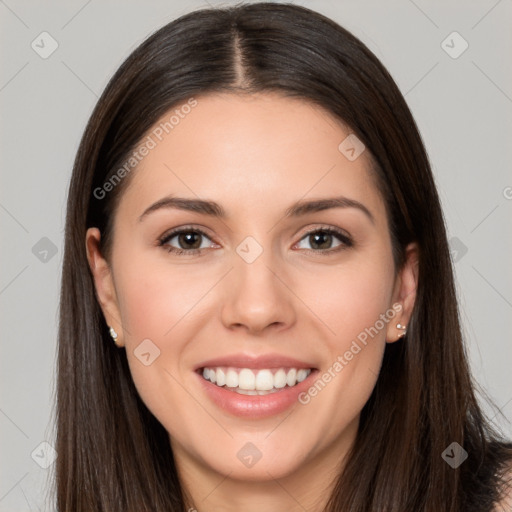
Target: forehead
[[250, 152]]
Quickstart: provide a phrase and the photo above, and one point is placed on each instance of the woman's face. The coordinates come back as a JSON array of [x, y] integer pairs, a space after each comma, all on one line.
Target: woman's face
[[268, 294]]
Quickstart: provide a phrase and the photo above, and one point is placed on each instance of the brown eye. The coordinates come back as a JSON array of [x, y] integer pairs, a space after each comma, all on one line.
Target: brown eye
[[321, 240], [189, 241]]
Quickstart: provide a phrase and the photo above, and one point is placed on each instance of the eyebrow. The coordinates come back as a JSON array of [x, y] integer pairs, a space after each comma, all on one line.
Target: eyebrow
[[298, 209]]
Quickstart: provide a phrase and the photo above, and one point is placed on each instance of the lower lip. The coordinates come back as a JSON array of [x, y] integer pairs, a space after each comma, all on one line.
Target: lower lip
[[255, 406]]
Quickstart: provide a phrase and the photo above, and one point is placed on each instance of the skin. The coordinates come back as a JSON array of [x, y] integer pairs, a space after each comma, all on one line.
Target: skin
[[255, 155]]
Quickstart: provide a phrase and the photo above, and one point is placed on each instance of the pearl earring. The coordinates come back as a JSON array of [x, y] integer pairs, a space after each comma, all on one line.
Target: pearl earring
[[113, 333], [400, 326]]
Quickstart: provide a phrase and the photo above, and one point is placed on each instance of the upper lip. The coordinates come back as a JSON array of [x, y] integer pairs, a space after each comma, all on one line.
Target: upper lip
[[255, 362]]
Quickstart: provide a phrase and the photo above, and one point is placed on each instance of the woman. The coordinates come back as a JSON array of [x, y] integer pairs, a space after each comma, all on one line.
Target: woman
[[258, 309]]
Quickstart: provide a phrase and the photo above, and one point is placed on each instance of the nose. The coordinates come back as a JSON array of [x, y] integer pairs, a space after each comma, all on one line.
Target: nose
[[258, 296]]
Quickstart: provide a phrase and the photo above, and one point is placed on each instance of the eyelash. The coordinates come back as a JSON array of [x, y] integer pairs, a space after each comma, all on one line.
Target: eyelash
[[346, 242]]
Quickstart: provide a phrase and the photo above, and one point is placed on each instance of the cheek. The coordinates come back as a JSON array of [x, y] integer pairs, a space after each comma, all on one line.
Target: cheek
[[348, 298], [351, 304], [160, 303], [155, 296]]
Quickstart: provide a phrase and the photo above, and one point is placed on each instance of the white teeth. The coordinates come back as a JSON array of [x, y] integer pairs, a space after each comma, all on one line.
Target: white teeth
[[247, 381], [253, 391], [280, 379], [264, 380], [291, 377], [246, 391], [221, 377], [301, 375], [232, 379]]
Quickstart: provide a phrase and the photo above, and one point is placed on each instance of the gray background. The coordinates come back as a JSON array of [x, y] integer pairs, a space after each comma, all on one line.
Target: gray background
[[463, 107]]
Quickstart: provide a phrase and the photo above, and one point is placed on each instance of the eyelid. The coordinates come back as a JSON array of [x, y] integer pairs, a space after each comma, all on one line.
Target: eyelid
[[328, 228]]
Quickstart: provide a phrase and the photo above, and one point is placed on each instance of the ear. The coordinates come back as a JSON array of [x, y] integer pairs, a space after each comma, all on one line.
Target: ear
[[404, 293], [104, 283]]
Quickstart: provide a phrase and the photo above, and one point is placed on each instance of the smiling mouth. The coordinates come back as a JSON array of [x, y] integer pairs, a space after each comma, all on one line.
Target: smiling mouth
[[250, 381]]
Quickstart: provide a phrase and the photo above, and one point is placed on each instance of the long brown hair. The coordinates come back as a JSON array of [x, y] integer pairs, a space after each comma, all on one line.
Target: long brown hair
[[113, 453]]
